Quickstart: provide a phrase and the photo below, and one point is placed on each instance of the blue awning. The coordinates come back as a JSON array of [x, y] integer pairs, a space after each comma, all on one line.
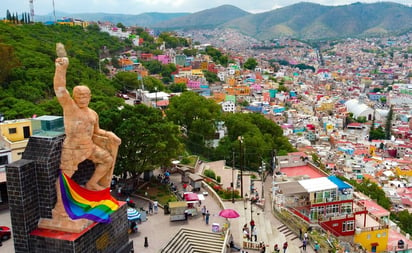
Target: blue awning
[[341, 185]]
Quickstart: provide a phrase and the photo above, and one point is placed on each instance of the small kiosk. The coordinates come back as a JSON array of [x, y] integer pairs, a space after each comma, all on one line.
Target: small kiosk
[[195, 181], [177, 210], [192, 200]]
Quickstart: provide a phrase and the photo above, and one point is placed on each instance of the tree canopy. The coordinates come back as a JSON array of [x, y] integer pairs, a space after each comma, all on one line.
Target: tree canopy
[[250, 64], [26, 82], [148, 140]]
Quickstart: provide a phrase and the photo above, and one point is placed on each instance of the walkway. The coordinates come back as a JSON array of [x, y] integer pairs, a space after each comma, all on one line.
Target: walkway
[[159, 229]]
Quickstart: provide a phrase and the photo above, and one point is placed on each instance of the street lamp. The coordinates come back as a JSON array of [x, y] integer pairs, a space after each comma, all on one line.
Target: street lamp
[[233, 182], [155, 96], [240, 138], [262, 175], [248, 199]]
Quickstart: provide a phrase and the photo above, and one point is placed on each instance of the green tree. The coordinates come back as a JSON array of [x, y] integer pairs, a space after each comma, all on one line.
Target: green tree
[[121, 26], [190, 52], [167, 70], [377, 133], [151, 84], [8, 61], [250, 64], [154, 66], [149, 141], [126, 80], [388, 124], [260, 137], [196, 115], [210, 76], [177, 87]]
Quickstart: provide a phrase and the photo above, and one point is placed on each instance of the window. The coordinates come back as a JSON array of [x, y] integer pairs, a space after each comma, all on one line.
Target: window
[[4, 160], [348, 225], [12, 130], [332, 209], [346, 208]]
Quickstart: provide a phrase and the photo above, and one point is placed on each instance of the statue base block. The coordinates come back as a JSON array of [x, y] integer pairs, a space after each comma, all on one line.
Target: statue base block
[[65, 224], [95, 237]]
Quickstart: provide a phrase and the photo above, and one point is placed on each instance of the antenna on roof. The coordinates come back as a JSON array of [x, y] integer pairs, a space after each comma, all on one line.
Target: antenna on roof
[[54, 13], [31, 10]]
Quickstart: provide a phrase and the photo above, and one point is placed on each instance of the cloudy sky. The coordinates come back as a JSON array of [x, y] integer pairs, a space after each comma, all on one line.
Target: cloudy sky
[[43, 7]]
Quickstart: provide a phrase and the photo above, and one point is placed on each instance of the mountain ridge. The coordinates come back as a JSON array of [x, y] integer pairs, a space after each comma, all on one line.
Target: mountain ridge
[[303, 20]]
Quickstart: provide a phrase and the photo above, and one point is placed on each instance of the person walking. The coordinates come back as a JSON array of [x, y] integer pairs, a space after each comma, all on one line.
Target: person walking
[[246, 232], [276, 249], [150, 207], [304, 244], [300, 233], [252, 225], [306, 237], [316, 247], [262, 247], [155, 206], [254, 233], [285, 247], [207, 215], [203, 212]]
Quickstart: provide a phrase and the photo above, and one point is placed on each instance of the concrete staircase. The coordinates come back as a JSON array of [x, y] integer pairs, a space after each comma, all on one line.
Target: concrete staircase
[[289, 235], [193, 241]]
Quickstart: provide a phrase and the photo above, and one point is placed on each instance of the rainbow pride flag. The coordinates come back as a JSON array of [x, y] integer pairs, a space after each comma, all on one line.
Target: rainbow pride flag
[[80, 202]]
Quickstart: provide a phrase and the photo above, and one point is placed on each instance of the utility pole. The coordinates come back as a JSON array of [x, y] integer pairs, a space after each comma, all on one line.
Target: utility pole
[[31, 10], [54, 13], [262, 170], [233, 182], [155, 96], [240, 138]]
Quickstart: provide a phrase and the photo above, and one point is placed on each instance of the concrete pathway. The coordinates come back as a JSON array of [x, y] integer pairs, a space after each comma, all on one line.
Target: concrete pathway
[[159, 229]]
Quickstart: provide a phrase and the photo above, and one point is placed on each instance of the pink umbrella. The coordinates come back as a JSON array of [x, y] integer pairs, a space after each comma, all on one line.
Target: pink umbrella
[[228, 213]]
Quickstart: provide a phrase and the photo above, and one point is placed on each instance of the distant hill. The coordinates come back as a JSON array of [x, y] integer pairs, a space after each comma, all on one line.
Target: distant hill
[[314, 21], [303, 20], [206, 19], [144, 20]]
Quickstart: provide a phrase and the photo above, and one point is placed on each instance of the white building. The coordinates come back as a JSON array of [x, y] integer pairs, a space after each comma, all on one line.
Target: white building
[[228, 106]]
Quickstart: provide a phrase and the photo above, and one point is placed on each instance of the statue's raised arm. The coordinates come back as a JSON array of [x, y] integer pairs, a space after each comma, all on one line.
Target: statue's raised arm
[[62, 63]]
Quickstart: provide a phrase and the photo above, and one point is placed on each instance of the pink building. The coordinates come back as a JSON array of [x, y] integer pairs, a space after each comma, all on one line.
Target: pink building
[[164, 59], [192, 84]]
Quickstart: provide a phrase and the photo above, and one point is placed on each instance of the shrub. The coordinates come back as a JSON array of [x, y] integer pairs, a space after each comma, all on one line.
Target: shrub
[[210, 173], [218, 179]]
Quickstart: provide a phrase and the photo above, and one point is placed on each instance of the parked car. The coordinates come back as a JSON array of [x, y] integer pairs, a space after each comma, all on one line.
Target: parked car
[[124, 96], [5, 233]]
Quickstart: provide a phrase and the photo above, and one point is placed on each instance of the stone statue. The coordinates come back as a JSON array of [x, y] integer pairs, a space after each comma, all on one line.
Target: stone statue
[[84, 138]]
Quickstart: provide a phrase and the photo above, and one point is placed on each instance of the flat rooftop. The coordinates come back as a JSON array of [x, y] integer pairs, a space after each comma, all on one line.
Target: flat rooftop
[[302, 171]]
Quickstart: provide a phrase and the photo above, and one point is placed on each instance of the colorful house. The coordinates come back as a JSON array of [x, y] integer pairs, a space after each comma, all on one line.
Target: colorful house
[[14, 135]]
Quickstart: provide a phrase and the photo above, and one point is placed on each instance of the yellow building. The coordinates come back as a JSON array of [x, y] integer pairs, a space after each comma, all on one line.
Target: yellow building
[[403, 172], [197, 72], [238, 90], [14, 135], [326, 106], [373, 239]]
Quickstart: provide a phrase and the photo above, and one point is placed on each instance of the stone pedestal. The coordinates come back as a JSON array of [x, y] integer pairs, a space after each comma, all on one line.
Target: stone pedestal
[[31, 187], [64, 224], [97, 237]]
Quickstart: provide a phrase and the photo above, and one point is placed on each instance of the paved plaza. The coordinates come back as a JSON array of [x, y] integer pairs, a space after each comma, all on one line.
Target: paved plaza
[[159, 229]]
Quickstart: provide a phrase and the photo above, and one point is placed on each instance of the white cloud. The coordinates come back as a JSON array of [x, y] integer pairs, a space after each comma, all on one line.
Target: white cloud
[[42, 7]]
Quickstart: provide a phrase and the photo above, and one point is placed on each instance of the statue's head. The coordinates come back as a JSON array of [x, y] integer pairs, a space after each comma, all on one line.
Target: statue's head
[[81, 95]]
